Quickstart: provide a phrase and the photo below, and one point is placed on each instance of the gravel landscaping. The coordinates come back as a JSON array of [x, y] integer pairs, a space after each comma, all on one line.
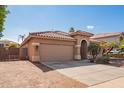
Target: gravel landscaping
[[26, 74]]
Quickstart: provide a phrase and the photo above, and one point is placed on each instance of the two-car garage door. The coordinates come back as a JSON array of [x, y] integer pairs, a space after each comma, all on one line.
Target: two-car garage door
[[49, 52]]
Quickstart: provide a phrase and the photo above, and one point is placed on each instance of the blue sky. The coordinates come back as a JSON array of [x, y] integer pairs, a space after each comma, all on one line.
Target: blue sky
[[94, 19]]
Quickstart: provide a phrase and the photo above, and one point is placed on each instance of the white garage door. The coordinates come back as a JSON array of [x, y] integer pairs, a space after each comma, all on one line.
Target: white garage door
[[56, 52]]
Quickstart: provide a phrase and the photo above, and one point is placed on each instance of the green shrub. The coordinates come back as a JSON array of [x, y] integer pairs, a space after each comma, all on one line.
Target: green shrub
[[13, 46], [94, 50], [103, 59]]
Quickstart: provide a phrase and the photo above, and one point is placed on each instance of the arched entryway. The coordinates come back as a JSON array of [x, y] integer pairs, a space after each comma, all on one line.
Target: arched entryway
[[83, 49]]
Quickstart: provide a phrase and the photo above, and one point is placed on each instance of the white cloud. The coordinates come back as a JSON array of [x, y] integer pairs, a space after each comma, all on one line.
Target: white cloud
[[90, 27]]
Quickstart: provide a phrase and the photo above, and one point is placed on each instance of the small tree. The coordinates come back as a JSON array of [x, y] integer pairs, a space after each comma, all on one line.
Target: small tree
[[94, 50], [3, 13], [72, 29], [121, 47], [13, 46], [111, 46], [106, 47], [22, 37], [103, 46]]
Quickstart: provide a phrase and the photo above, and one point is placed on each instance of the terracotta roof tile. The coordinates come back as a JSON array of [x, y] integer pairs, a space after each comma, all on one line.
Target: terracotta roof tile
[[93, 40], [81, 33], [106, 35], [56, 35], [53, 34]]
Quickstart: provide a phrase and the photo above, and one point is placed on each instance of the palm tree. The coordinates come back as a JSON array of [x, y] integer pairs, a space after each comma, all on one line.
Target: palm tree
[[72, 29], [22, 37], [94, 50]]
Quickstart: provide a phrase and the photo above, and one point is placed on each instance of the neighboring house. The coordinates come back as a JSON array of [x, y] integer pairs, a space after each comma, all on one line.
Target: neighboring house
[[56, 46], [109, 37], [6, 43]]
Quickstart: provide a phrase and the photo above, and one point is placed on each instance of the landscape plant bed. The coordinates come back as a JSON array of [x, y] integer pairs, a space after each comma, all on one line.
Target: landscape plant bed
[[117, 55]]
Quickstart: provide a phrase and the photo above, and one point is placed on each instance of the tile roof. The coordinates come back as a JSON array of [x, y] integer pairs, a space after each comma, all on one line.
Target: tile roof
[[53, 34], [59, 35], [93, 40], [84, 33], [106, 35]]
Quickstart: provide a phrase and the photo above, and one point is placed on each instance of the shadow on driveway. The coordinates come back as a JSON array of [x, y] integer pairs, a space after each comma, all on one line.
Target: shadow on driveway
[[67, 64], [48, 66], [42, 67]]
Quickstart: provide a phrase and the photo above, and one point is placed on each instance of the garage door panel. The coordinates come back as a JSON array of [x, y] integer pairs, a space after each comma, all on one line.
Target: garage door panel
[[56, 52]]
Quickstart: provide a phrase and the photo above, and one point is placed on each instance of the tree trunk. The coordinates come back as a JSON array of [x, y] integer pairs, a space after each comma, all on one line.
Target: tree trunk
[[109, 50]]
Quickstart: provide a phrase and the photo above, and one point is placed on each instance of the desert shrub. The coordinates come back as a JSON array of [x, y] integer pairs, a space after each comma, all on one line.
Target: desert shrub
[[103, 59], [13, 46]]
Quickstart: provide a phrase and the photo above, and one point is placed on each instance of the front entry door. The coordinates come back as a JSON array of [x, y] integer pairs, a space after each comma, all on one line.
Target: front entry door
[[83, 49]]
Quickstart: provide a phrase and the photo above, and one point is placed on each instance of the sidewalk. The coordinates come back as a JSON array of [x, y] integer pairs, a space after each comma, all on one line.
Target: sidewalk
[[116, 83]]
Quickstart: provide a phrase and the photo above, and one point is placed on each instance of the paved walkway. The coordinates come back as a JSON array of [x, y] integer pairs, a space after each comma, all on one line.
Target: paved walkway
[[89, 73]]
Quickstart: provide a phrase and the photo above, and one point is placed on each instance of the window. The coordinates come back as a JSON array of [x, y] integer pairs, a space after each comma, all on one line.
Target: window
[[7, 44], [1, 45]]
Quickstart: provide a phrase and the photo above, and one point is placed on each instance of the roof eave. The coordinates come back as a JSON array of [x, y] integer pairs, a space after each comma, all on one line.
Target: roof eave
[[27, 39], [82, 34], [104, 36], [42, 37], [54, 38]]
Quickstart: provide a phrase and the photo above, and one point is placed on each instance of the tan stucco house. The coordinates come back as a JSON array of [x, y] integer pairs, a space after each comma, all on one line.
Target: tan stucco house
[[109, 37], [56, 45]]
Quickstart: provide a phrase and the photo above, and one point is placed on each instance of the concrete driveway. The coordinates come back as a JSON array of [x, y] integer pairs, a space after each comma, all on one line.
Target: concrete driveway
[[87, 73]]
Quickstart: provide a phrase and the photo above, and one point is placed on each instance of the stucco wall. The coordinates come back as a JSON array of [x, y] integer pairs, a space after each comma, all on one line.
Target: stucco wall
[[58, 42], [79, 39], [69, 49], [31, 47]]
